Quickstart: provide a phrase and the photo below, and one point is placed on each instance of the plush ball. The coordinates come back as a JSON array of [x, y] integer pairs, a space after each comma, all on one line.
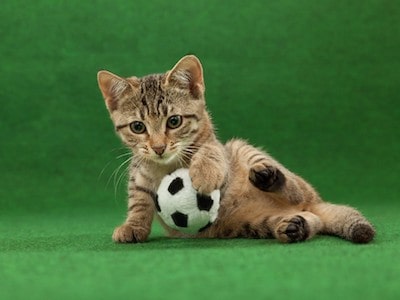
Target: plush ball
[[181, 207]]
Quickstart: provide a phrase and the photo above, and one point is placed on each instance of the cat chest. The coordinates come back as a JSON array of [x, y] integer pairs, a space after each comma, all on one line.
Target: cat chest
[[151, 177]]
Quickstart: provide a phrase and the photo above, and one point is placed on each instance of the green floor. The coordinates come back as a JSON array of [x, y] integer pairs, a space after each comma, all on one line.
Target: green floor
[[314, 82], [70, 256]]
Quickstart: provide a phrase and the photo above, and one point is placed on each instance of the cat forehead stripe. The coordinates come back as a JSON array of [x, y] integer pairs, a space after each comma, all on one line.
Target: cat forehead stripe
[[152, 96]]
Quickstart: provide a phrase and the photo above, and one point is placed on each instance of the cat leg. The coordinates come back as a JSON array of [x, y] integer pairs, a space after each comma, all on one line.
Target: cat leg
[[238, 225], [137, 225], [295, 227], [345, 222], [266, 174], [260, 222], [209, 168], [141, 207], [266, 177]]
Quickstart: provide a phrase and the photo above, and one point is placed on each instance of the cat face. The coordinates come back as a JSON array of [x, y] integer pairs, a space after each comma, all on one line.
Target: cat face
[[160, 117]]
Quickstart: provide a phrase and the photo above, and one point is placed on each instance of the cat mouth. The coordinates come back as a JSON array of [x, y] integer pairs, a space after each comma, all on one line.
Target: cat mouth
[[165, 159]]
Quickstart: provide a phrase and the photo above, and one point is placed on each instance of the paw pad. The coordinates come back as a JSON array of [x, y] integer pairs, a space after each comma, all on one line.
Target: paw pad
[[269, 179], [297, 230]]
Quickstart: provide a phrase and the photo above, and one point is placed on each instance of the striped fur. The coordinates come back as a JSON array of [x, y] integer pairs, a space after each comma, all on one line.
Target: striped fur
[[260, 197]]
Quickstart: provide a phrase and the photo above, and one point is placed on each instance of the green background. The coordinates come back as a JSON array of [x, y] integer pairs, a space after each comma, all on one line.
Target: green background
[[316, 83]]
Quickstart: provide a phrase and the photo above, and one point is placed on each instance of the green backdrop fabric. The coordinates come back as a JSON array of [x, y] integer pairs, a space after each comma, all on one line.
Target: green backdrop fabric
[[316, 83]]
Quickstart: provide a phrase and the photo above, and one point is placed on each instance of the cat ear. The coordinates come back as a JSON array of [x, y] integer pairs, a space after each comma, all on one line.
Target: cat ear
[[113, 86], [188, 74]]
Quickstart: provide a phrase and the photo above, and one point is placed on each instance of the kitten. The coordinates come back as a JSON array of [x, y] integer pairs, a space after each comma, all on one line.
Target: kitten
[[163, 119]]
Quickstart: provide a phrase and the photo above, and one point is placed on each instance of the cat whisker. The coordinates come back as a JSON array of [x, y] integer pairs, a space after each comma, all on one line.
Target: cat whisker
[[184, 157], [181, 161], [116, 171], [192, 148], [111, 161], [102, 171], [117, 149], [124, 154], [139, 159], [189, 151], [122, 175]]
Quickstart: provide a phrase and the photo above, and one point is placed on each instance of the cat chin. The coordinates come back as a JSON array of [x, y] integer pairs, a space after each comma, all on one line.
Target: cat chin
[[165, 160]]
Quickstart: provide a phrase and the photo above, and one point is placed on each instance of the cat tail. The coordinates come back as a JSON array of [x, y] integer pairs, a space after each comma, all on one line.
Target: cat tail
[[345, 222]]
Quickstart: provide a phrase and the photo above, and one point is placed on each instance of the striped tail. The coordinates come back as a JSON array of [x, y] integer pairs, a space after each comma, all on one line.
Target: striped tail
[[345, 222]]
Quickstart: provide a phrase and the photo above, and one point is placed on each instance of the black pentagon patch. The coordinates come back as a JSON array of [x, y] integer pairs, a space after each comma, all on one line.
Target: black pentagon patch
[[205, 227], [180, 219], [157, 204], [175, 186], [204, 202]]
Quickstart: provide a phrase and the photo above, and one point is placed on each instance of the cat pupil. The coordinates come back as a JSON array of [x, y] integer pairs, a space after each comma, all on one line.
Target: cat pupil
[[174, 122], [137, 127]]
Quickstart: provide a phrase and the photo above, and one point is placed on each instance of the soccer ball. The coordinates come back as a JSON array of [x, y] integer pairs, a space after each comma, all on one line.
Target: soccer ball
[[181, 207]]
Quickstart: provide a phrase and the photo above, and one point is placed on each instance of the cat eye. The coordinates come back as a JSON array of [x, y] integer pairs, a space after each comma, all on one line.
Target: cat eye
[[137, 127], [174, 122]]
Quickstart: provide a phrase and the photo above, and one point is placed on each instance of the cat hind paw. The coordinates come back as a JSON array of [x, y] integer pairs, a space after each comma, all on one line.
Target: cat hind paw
[[267, 179], [293, 230]]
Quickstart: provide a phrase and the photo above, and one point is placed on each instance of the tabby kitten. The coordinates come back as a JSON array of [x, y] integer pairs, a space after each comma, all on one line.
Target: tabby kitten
[[163, 119]]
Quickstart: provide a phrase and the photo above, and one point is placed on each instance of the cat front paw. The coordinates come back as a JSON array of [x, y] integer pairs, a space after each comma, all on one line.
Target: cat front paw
[[205, 178], [128, 234]]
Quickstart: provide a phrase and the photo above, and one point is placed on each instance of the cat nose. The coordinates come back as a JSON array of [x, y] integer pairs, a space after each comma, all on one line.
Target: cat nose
[[158, 149]]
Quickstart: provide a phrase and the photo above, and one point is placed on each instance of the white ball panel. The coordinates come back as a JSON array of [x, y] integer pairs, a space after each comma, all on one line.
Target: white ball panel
[[185, 201]]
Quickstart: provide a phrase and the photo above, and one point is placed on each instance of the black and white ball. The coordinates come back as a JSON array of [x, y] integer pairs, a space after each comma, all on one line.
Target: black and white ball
[[181, 207]]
